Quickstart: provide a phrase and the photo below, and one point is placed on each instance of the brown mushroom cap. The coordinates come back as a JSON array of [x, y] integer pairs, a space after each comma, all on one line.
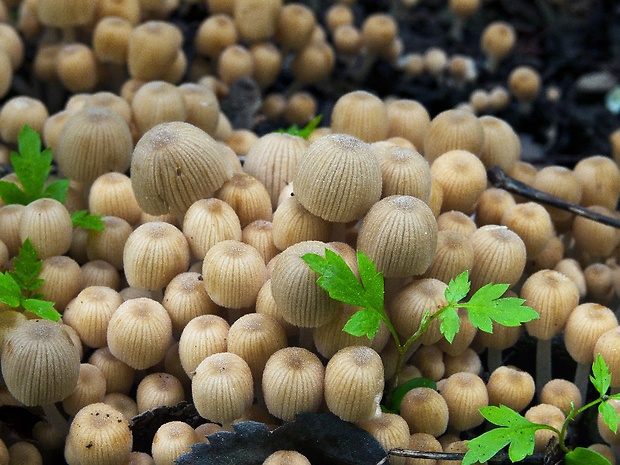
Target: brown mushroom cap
[[92, 142], [362, 115], [99, 435], [338, 178], [40, 363], [173, 165], [400, 234]]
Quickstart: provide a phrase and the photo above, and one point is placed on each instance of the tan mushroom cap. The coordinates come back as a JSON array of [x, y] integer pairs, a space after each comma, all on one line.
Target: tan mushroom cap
[[338, 178], [40, 363], [92, 142], [173, 165]]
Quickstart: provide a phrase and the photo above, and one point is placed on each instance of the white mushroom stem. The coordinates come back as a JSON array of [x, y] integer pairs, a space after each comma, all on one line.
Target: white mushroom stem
[[543, 364], [55, 418], [582, 377]]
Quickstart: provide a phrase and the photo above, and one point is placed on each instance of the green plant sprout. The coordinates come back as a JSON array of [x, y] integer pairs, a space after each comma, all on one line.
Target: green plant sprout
[[517, 432], [304, 132], [32, 168], [485, 305], [18, 286]]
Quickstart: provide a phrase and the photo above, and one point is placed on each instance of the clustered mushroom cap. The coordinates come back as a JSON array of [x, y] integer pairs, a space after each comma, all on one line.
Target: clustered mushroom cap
[[399, 233], [175, 164], [40, 363], [99, 435], [222, 387], [354, 381]]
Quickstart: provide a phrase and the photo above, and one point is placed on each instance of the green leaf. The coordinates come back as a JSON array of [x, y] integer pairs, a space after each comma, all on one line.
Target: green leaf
[[515, 430], [10, 292], [31, 165], [600, 378], [304, 132], [85, 220], [450, 323], [458, 288], [337, 278], [57, 190], [26, 267], [41, 308], [486, 306], [400, 391], [371, 280], [610, 416], [365, 322], [581, 456], [11, 193]]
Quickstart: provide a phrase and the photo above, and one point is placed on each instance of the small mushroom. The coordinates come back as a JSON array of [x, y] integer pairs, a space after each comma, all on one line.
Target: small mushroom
[[173, 165]]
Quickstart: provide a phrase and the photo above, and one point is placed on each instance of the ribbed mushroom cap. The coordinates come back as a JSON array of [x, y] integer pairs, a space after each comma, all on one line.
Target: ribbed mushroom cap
[[93, 141], [233, 274], [139, 332], [338, 178], [354, 383], [298, 297], [450, 130], [40, 363], [553, 296], [173, 165], [154, 253], [273, 159], [361, 115], [222, 387], [400, 234], [425, 411], [99, 435], [292, 382]]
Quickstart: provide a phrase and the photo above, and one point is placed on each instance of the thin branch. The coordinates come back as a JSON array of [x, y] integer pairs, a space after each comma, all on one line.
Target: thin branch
[[498, 178], [501, 457]]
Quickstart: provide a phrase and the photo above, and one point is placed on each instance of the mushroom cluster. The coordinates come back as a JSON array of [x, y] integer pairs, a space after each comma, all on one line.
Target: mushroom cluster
[[196, 289]]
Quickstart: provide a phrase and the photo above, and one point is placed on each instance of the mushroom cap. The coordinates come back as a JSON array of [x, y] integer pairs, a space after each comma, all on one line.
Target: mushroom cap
[[99, 435], [400, 234], [93, 141], [362, 115], [173, 165], [354, 382], [40, 363], [222, 387], [338, 178]]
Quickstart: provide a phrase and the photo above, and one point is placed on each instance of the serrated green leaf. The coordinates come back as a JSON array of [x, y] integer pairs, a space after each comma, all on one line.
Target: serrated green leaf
[[337, 278], [31, 165], [365, 322], [310, 127], [488, 293], [610, 416], [10, 292], [514, 429], [450, 323], [12, 194], [85, 220], [372, 281], [41, 308], [486, 446], [582, 456], [57, 190], [600, 378], [507, 311], [458, 288], [26, 267], [400, 391]]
